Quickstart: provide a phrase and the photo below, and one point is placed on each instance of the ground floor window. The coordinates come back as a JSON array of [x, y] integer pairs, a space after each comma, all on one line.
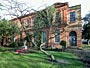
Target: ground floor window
[[44, 37], [57, 36]]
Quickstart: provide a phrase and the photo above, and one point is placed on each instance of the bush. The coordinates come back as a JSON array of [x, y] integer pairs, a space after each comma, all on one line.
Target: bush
[[14, 44], [20, 44], [63, 43]]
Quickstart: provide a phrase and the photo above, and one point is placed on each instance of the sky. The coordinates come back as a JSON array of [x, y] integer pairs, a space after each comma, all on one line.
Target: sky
[[85, 4]]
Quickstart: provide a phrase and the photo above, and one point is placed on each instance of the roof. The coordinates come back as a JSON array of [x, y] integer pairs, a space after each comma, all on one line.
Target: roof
[[33, 13], [57, 4], [75, 7]]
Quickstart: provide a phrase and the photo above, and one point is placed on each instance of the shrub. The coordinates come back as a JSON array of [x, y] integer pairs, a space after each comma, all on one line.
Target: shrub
[[20, 44], [63, 43], [14, 44]]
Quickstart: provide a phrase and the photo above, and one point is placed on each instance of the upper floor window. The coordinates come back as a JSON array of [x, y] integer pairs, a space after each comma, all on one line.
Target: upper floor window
[[57, 36], [72, 16], [28, 21], [58, 17]]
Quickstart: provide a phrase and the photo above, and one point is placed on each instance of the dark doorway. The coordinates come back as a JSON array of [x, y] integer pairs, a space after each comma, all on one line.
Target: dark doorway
[[72, 38]]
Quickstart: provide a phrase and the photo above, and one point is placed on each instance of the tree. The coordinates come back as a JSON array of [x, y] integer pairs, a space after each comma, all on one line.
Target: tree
[[16, 9], [14, 30], [6, 29], [86, 28], [45, 19], [37, 38]]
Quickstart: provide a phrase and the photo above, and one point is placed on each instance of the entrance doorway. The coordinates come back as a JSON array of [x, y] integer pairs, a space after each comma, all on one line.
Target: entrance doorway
[[72, 38]]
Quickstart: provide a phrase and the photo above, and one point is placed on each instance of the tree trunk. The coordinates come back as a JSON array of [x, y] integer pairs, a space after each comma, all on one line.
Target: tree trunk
[[34, 45], [88, 41], [2, 41], [50, 30], [46, 53]]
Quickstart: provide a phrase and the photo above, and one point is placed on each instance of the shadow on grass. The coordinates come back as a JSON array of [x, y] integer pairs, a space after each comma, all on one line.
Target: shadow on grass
[[4, 49], [36, 59], [56, 49]]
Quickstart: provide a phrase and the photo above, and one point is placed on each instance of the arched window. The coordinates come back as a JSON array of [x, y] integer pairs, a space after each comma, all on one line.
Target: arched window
[[57, 36], [73, 38]]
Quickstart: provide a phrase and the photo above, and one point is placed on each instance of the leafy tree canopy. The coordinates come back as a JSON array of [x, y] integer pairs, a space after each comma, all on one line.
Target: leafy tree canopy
[[86, 27], [44, 18]]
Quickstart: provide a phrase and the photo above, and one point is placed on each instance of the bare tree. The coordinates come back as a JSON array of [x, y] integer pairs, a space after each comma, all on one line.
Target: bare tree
[[14, 8]]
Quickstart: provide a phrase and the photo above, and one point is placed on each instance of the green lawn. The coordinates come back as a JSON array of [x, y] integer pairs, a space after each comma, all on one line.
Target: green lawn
[[38, 60], [86, 47]]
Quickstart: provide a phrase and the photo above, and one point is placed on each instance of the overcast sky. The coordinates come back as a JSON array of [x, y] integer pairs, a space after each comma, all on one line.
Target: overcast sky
[[85, 4]]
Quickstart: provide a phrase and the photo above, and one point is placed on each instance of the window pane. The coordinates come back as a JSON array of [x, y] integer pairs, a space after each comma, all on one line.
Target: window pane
[[28, 21], [57, 36], [58, 17], [72, 16], [44, 37]]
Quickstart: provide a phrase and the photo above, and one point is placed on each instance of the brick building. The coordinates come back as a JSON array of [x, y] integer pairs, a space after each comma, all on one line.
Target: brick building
[[71, 33]]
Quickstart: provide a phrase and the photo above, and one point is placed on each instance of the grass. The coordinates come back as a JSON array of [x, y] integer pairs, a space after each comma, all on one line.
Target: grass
[[36, 59], [86, 47]]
